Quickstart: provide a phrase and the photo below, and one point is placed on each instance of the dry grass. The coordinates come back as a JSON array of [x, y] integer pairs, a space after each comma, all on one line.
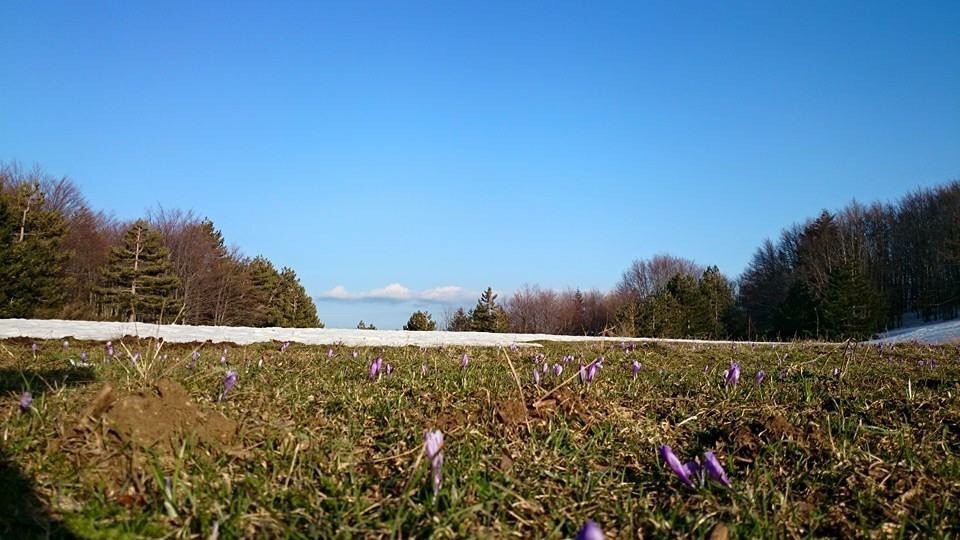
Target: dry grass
[[318, 450]]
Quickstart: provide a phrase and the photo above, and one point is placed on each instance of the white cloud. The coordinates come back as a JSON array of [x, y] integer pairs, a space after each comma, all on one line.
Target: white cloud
[[395, 292]]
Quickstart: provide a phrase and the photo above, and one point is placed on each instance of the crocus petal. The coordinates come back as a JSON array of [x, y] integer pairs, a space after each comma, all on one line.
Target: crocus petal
[[760, 376], [590, 531], [536, 376], [674, 462], [712, 465], [433, 442], [228, 383], [557, 369], [25, 400]]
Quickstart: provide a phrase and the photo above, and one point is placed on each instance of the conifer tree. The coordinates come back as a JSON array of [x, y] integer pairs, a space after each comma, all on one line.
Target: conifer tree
[[297, 309], [459, 322], [488, 316], [32, 280], [420, 320], [717, 294], [265, 284], [137, 283], [851, 308]]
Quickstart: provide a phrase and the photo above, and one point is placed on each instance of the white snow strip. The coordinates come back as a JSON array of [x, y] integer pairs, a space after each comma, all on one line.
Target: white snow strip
[[936, 333], [103, 331]]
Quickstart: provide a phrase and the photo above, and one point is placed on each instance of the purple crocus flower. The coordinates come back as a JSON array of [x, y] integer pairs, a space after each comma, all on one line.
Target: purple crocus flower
[[545, 368], [635, 368], [329, 353], [194, 356], [109, 350], [513, 347], [433, 445], [732, 375], [685, 472], [223, 357], [557, 369], [66, 344], [228, 383], [590, 531], [389, 369], [375, 367], [759, 377], [83, 357], [592, 371], [355, 354], [34, 347], [464, 361], [25, 400], [536, 376], [284, 346], [712, 465], [583, 374]]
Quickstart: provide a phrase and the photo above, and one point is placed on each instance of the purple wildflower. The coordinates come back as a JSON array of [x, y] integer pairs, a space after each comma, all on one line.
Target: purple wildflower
[[732, 375], [109, 349], [66, 344], [592, 371], [375, 367], [545, 368], [228, 383], [83, 357], [355, 354], [25, 400], [590, 531], [223, 357], [557, 369], [583, 374], [389, 369], [635, 368], [193, 359], [433, 445], [513, 347], [464, 361], [536, 376], [681, 470], [329, 353], [284, 346], [34, 347], [714, 469], [759, 377]]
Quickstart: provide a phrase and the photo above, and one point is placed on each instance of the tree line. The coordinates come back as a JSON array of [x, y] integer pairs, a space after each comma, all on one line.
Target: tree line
[[59, 258], [843, 274]]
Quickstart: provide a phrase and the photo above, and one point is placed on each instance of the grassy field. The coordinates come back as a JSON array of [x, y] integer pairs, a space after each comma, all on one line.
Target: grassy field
[[836, 441]]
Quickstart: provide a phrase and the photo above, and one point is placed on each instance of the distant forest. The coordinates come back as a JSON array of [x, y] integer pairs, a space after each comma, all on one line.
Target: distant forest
[[846, 274], [59, 258], [842, 274]]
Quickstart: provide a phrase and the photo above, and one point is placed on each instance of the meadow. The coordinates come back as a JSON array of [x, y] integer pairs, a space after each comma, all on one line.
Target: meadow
[[220, 440]]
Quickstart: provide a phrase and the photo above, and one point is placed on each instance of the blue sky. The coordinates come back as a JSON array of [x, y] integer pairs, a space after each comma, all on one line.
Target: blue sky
[[393, 148]]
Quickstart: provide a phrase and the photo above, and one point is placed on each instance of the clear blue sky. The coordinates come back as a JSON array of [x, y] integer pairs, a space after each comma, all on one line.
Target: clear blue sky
[[466, 145]]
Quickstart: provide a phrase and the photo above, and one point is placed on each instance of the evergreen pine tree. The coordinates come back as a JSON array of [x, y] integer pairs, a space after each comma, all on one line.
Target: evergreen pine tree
[[488, 316], [32, 280], [718, 299], [265, 281], [851, 308], [137, 283], [460, 322], [420, 320], [297, 309]]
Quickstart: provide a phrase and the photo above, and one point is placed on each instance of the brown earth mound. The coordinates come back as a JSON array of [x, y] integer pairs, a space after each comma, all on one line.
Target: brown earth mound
[[157, 417]]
